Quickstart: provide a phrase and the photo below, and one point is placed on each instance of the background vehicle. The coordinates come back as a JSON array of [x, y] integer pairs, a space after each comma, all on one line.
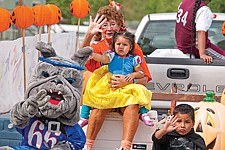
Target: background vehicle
[[158, 30], [169, 66]]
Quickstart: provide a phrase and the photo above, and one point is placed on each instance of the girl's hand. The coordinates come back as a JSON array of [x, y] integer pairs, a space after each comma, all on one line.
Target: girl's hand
[[117, 81], [91, 56], [95, 25], [128, 78], [170, 124]]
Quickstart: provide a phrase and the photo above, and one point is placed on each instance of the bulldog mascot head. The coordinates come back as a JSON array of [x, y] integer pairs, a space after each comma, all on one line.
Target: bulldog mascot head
[[48, 116]]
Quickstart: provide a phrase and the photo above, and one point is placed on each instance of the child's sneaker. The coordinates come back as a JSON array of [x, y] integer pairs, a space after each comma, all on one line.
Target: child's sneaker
[[146, 119], [83, 122], [120, 148]]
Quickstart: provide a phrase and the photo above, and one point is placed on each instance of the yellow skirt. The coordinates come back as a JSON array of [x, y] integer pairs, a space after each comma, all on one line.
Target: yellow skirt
[[98, 93]]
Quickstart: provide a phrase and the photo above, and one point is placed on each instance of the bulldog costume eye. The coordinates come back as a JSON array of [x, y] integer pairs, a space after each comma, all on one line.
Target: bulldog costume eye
[[45, 74], [70, 80]]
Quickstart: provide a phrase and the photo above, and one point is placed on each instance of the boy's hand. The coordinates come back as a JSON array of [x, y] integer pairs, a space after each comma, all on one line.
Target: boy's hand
[[170, 124]]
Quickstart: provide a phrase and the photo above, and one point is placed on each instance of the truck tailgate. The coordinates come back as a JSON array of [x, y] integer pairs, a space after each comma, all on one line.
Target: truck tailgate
[[182, 71]]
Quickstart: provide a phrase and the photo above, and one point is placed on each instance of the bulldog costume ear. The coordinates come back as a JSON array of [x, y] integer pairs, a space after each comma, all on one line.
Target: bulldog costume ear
[[45, 49], [82, 55]]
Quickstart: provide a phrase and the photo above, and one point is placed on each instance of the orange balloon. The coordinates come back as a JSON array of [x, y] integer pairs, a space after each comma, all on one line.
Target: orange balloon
[[22, 16], [42, 15], [5, 19], [79, 8], [56, 14], [223, 28]]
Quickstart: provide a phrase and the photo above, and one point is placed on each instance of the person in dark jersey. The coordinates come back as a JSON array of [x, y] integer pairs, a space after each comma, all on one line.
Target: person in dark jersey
[[194, 19]]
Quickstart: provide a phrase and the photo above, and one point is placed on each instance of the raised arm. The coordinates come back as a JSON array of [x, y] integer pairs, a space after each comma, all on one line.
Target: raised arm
[[100, 58], [93, 28]]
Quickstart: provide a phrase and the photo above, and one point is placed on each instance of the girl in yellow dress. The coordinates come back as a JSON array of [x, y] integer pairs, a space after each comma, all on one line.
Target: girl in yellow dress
[[119, 60]]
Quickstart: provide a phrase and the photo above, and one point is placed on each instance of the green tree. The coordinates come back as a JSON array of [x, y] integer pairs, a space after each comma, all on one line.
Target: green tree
[[217, 6]]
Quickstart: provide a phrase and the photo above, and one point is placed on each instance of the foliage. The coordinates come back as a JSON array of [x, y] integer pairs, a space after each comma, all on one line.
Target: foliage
[[133, 10], [64, 6], [217, 6]]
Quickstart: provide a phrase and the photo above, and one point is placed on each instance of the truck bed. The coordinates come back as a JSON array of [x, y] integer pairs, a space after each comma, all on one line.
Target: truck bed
[[184, 72]]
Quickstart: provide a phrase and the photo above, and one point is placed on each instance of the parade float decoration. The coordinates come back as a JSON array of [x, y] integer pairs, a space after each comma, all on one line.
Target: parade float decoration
[[79, 9], [42, 15], [222, 100], [209, 122], [56, 14], [221, 43], [5, 19], [23, 17], [223, 28]]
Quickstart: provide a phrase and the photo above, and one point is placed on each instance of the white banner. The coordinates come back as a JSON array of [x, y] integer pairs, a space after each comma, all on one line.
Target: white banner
[[12, 69]]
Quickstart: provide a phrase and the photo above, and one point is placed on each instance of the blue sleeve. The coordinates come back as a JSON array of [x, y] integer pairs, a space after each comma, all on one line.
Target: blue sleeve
[[76, 137], [23, 148]]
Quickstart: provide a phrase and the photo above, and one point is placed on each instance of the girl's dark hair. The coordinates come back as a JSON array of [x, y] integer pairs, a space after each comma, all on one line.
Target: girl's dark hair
[[185, 109], [127, 35]]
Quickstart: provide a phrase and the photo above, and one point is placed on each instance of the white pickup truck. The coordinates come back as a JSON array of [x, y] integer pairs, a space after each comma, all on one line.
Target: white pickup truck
[[169, 66]]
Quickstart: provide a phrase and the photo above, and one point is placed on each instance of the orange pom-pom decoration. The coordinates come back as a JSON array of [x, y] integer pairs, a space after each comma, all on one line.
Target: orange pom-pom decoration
[[79, 8], [56, 14], [223, 28], [5, 19], [22, 16], [42, 15]]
